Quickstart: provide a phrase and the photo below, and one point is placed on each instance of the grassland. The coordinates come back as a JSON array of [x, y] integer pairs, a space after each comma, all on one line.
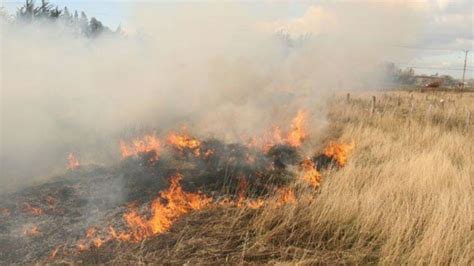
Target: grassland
[[405, 197]]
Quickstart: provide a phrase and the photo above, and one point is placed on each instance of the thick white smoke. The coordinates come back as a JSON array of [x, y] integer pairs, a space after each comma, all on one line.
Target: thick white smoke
[[218, 68]]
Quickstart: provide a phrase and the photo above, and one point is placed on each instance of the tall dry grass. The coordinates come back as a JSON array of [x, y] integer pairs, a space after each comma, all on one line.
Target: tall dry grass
[[405, 197]]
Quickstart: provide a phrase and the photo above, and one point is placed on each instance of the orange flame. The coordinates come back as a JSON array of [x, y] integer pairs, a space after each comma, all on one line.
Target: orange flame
[[242, 202], [297, 134], [276, 134], [73, 163], [119, 236], [339, 151], [179, 203], [285, 196], [81, 246], [208, 153], [31, 231], [32, 210], [90, 232], [5, 212], [309, 173], [97, 242], [144, 145], [54, 252], [183, 141], [51, 201], [91, 240], [242, 190]]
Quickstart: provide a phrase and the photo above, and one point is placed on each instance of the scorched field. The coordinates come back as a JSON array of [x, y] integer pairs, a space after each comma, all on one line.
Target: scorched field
[[389, 180]]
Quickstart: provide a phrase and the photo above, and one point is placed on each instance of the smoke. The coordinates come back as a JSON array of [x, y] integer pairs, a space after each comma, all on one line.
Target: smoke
[[221, 69]]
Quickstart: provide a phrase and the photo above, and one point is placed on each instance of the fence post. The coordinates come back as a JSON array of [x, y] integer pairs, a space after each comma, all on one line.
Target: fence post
[[348, 98], [372, 109]]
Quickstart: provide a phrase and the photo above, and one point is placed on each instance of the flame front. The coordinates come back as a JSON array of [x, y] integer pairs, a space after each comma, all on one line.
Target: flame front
[[149, 143], [339, 151], [31, 230], [183, 141], [242, 202], [174, 202], [5, 212], [54, 252], [162, 217], [309, 173], [285, 196], [73, 162], [32, 210], [297, 133]]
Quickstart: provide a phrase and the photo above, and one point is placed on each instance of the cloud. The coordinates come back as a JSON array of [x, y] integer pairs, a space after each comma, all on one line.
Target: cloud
[[449, 24], [316, 20]]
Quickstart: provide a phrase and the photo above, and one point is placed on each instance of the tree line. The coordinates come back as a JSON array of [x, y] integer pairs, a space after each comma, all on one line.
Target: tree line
[[80, 24], [407, 76]]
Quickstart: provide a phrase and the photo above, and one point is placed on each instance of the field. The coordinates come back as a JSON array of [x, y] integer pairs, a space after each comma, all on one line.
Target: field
[[404, 197]]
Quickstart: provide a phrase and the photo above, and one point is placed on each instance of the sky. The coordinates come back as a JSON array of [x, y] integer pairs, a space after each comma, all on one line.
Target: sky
[[447, 26]]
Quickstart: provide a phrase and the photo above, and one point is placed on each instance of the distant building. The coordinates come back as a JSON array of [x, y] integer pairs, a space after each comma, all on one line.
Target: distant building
[[435, 81]]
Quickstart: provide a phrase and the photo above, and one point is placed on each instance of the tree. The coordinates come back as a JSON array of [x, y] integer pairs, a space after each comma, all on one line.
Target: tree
[[84, 24], [95, 27], [66, 16], [407, 76], [26, 12], [47, 12]]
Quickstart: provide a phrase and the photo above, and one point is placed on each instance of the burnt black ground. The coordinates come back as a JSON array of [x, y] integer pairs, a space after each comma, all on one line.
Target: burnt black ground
[[98, 196]]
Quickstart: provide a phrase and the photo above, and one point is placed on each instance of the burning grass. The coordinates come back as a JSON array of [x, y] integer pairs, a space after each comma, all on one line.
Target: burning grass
[[159, 181], [390, 196]]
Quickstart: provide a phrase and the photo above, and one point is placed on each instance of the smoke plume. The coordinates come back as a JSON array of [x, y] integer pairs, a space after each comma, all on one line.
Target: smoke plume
[[221, 69]]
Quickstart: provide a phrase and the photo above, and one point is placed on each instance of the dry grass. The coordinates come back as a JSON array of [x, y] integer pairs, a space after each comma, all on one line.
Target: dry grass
[[405, 197]]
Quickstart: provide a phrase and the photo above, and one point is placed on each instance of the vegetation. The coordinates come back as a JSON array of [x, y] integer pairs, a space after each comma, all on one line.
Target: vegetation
[[407, 76], [46, 12], [405, 197]]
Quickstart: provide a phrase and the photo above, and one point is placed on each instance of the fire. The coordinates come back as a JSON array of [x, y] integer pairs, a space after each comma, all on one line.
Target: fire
[[276, 134], [242, 190], [51, 201], [208, 153], [97, 242], [73, 163], [31, 230], [32, 210], [146, 144], [90, 232], [5, 212], [91, 240], [119, 236], [183, 141], [162, 217], [255, 203], [297, 133], [309, 173], [54, 252], [242, 201], [285, 196], [81, 246], [339, 151]]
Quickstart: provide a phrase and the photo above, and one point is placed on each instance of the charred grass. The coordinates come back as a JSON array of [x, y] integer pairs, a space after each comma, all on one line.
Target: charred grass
[[404, 197]]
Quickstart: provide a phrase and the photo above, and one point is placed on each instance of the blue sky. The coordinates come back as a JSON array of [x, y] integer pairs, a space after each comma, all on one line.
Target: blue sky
[[111, 13], [448, 30]]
